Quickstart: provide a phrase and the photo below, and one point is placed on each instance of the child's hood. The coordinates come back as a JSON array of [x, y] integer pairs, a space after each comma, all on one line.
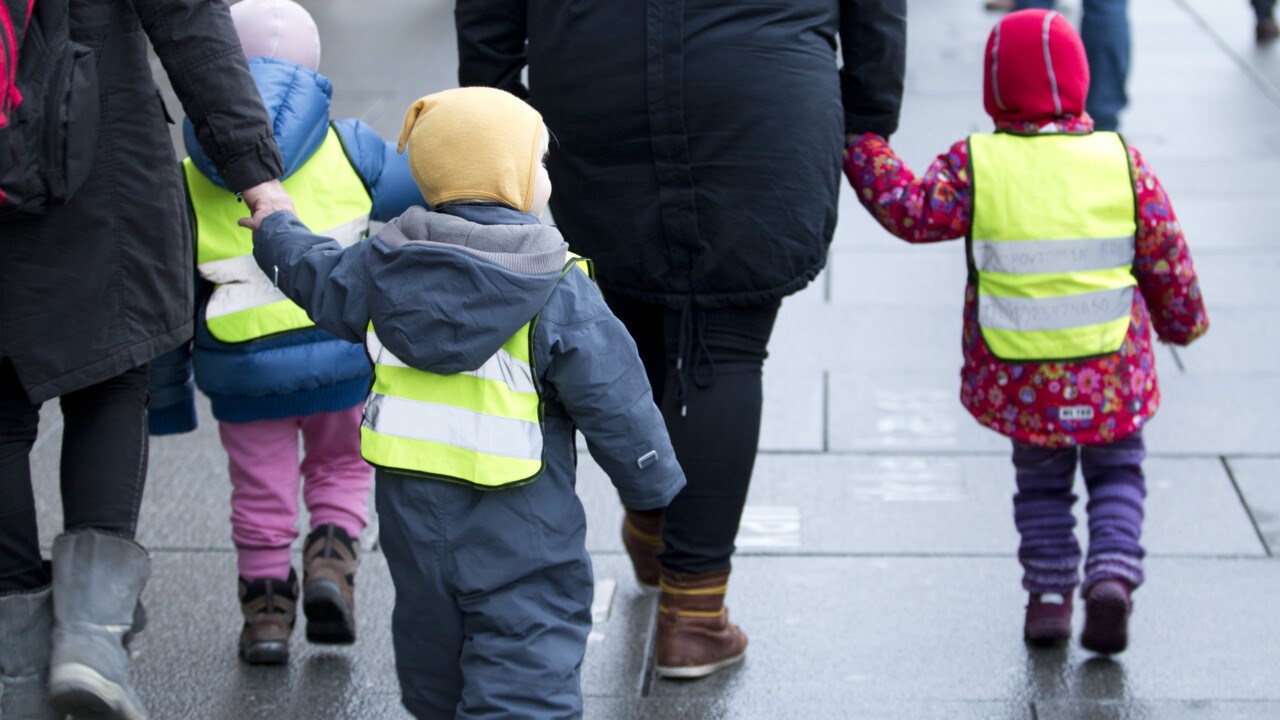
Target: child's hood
[[297, 101], [446, 292], [1035, 68]]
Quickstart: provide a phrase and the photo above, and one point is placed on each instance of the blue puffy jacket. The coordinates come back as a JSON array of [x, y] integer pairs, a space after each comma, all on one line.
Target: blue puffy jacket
[[301, 373]]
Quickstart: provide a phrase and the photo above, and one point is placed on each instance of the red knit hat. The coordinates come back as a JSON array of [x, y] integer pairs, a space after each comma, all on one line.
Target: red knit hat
[[1035, 68]]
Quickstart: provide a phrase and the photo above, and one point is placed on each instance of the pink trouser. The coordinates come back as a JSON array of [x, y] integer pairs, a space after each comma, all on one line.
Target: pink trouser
[[265, 474]]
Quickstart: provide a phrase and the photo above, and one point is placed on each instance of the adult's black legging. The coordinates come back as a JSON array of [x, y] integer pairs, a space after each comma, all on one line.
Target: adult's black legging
[[103, 468], [705, 367]]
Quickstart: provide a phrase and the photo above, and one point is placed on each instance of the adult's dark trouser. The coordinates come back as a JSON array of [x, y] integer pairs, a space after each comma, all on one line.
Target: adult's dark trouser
[[104, 466], [1263, 8], [705, 367]]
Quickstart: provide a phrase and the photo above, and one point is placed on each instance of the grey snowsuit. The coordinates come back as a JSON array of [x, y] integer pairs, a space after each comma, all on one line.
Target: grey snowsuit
[[493, 588]]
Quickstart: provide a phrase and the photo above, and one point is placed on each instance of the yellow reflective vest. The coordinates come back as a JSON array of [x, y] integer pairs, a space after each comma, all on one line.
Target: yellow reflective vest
[[1051, 244], [329, 196], [481, 428]]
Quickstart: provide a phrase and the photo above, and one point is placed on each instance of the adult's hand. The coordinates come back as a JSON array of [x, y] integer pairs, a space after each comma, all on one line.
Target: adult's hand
[[263, 200]]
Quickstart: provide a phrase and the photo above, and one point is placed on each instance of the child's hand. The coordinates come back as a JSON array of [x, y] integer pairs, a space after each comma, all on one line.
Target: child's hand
[[849, 139]]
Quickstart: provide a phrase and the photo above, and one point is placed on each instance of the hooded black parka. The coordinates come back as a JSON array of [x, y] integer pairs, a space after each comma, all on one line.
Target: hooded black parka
[[697, 142], [103, 284]]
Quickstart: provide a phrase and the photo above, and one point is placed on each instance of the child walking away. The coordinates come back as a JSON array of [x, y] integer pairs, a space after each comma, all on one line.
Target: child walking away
[[270, 374], [1074, 255], [490, 344]]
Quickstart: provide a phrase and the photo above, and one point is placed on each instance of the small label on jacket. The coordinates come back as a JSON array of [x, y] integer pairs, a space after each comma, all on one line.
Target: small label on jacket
[[647, 459], [1073, 413]]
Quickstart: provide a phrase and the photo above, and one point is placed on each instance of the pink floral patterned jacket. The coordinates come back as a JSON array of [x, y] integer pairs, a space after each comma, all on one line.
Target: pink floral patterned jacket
[[1022, 400]]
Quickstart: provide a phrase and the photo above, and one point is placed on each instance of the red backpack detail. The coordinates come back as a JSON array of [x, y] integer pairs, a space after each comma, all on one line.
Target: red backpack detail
[[14, 16], [48, 107]]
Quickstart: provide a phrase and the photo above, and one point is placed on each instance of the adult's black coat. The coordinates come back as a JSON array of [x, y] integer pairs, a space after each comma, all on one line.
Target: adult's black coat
[[103, 283], [698, 142]]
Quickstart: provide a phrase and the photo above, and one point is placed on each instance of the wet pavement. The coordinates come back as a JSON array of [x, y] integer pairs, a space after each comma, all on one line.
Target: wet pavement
[[876, 576]]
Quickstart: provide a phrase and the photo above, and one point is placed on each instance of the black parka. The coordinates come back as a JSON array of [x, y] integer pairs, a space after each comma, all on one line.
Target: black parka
[[103, 283], [697, 142]]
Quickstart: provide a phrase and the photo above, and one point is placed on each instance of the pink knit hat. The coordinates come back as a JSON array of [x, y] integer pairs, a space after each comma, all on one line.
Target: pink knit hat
[[279, 29]]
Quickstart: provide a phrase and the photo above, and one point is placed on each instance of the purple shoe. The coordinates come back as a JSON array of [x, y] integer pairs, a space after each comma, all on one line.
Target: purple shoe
[[1106, 617], [1048, 618]]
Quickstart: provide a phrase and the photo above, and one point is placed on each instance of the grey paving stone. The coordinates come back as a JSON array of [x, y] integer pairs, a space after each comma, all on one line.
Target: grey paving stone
[[45, 454], [1232, 24], [885, 339], [902, 504], [897, 412], [1214, 414], [1223, 224], [1236, 282], [1259, 482], [929, 277], [781, 706], [1147, 710], [1230, 348], [792, 415], [870, 629], [1213, 177], [619, 646], [187, 665]]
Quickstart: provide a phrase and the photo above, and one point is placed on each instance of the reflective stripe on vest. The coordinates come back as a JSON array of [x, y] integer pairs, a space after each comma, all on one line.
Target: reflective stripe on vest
[[480, 427], [246, 305], [1052, 244]]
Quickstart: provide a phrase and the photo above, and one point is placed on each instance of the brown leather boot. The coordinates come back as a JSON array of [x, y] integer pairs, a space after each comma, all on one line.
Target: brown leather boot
[[329, 561], [642, 537], [270, 610], [695, 637]]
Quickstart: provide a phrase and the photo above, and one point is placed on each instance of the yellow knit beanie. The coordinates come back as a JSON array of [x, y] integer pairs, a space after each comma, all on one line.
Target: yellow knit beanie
[[474, 143]]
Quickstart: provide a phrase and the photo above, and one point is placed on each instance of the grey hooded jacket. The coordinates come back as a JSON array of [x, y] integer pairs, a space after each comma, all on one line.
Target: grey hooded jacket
[[446, 292]]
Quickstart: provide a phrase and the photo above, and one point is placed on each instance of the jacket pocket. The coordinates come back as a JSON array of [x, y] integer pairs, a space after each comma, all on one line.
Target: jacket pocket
[[71, 122]]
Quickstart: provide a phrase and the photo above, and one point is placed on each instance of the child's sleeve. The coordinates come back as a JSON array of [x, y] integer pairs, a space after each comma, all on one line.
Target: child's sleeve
[[171, 408], [1162, 262], [384, 171], [329, 282], [919, 210], [598, 377]]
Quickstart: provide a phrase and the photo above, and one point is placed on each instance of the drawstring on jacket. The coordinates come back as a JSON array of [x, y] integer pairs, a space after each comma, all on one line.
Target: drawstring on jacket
[[692, 355]]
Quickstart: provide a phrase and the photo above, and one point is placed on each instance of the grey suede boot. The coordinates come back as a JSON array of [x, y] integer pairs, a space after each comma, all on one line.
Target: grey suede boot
[[26, 629], [97, 578]]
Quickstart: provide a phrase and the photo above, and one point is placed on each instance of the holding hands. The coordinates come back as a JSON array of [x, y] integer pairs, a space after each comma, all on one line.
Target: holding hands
[[264, 199]]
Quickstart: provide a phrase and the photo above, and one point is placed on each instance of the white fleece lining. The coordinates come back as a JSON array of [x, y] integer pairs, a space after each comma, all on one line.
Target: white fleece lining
[[1048, 63], [995, 69]]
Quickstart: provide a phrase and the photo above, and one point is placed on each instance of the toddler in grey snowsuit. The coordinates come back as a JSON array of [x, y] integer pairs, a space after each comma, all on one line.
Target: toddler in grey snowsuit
[[490, 344]]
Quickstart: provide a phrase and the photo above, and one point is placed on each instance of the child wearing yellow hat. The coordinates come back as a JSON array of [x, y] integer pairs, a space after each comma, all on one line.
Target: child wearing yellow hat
[[276, 384], [490, 344]]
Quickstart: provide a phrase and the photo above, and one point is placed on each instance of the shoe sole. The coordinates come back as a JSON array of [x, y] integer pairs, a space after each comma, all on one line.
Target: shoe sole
[[329, 618], [1106, 626], [691, 672], [267, 652], [82, 692], [1047, 633]]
